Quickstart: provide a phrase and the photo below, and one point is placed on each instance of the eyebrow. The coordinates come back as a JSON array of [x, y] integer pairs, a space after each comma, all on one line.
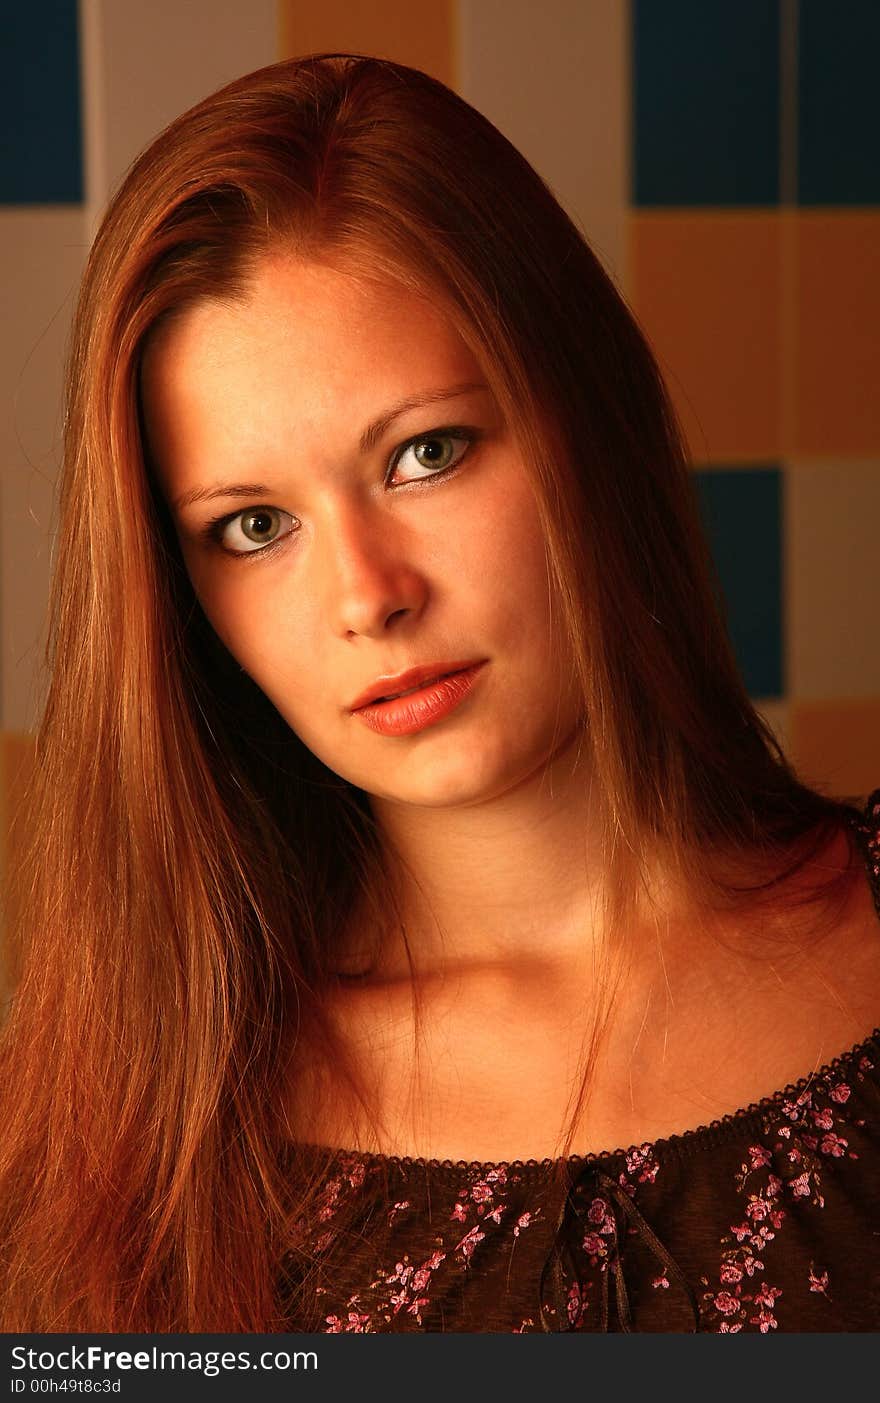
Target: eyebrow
[[370, 436]]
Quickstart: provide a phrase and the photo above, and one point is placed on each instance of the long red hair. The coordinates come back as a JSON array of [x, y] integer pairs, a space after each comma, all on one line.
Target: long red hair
[[188, 865]]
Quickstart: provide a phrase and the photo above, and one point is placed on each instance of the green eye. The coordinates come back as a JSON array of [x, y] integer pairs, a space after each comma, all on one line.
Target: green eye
[[432, 453], [249, 532], [261, 526]]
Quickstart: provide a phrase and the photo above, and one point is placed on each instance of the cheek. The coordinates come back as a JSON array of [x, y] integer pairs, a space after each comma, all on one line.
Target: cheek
[[507, 563], [266, 638]]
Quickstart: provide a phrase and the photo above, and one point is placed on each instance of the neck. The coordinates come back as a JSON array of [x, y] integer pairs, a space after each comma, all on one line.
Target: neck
[[503, 883]]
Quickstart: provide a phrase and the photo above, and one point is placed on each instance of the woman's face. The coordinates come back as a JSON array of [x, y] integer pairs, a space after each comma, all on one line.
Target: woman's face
[[357, 509]]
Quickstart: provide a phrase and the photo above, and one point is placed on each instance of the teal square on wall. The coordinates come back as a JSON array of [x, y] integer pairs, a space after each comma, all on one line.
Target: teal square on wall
[[838, 114], [741, 510], [40, 116], [706, 102]]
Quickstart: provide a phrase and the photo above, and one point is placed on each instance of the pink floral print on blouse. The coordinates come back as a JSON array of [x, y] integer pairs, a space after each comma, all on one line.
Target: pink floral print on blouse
[[767, 1220]]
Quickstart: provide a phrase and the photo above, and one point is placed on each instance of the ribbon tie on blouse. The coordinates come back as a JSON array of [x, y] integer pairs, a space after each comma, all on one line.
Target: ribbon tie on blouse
[[595, 1229]]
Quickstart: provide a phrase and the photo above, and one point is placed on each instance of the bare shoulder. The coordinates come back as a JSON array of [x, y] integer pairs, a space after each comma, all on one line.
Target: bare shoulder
[[785, 994], [836, 963]]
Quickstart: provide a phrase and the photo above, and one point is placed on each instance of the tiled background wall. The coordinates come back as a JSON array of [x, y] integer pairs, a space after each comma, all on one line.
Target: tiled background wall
[[720, 157], [754, 263]]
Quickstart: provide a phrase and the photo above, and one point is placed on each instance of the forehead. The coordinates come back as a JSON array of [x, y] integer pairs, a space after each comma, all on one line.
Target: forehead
[[306, 328], [307, 350]]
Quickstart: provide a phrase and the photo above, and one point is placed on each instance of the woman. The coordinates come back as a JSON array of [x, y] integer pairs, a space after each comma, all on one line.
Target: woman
[[383, 881]]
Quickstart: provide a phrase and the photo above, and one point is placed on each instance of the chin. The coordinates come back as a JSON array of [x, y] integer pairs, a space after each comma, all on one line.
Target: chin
[[461, 777], [445, 792]]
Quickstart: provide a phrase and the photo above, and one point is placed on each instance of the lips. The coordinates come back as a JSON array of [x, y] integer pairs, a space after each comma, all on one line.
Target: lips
[[423, 697], [391, 688], [395, 696]]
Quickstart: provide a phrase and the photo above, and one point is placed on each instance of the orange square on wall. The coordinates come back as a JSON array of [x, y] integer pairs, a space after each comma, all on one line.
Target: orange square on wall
[[706, 290], [422, 36], [836, 348], [836, 744]]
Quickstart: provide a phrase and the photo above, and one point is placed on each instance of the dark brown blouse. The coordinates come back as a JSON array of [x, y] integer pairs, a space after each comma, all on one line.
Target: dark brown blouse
[[768, 1219]]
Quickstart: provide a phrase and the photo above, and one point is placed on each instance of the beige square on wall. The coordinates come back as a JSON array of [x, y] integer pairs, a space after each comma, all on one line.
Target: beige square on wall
[[831, 512]]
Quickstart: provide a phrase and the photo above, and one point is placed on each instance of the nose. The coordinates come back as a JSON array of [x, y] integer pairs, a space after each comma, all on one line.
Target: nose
[[371, 583]]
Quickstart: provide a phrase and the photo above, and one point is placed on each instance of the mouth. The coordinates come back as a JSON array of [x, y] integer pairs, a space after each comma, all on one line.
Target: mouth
[[404, 684], [422, 699], [395, 696]]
